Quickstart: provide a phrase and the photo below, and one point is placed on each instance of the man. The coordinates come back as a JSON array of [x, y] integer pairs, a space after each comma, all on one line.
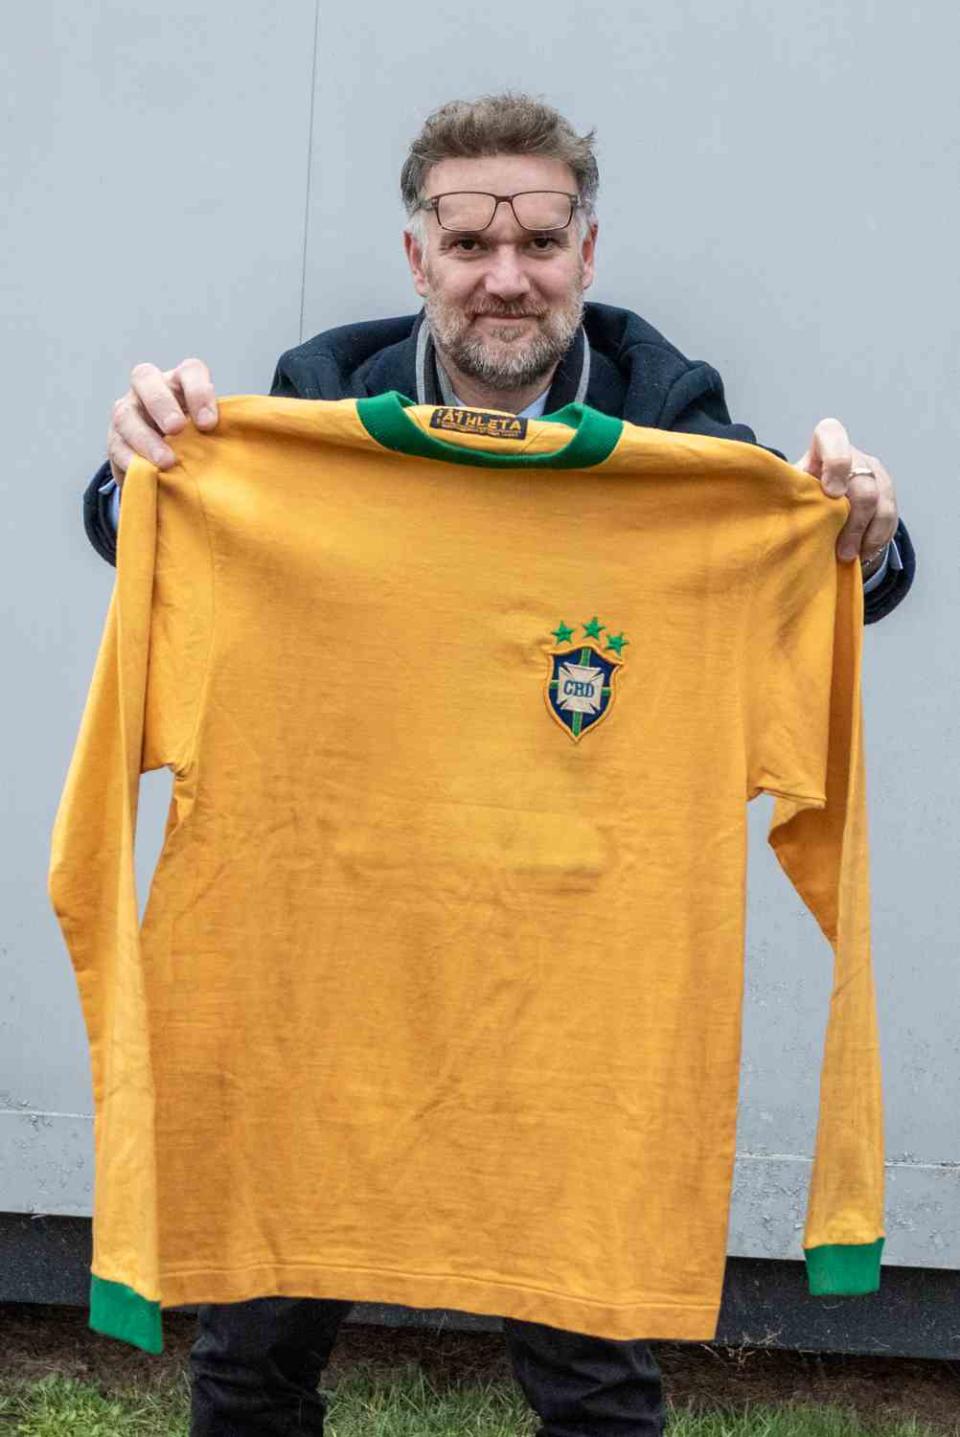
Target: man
[[500, 240]]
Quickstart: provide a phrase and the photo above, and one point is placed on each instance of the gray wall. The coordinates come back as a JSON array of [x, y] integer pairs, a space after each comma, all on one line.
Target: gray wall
[[778, 195]]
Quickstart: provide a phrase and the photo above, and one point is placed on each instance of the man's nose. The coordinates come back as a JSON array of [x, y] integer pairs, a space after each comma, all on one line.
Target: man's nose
[[505, 275]]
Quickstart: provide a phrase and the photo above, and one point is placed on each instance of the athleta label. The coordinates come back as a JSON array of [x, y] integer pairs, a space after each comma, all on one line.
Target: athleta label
[[479, 421]]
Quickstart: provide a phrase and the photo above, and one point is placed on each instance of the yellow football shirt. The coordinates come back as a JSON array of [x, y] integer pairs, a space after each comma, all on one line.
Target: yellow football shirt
[[437, 996]]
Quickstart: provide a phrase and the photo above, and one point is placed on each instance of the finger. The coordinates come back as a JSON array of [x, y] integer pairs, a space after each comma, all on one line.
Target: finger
[[886, 496], [862, 495], [131, 428], [120, 456], [850, 541], [881, 528], [156, 399], [193, 379], [836, 457]]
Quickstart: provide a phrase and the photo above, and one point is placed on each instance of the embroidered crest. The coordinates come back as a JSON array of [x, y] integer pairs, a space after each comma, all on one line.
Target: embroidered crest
[[580, 686]]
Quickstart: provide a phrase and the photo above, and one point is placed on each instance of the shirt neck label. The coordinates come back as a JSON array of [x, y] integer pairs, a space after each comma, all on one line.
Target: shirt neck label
[[479, 421]]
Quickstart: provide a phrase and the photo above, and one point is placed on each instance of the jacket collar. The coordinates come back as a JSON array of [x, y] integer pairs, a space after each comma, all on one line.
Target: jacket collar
[[632, 371]]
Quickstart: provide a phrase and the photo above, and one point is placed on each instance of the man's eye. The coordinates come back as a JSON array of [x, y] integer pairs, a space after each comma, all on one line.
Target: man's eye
[[543, 243]]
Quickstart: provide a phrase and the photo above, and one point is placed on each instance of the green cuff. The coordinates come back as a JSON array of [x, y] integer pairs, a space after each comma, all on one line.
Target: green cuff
[[844, 1269], [117, 1311]]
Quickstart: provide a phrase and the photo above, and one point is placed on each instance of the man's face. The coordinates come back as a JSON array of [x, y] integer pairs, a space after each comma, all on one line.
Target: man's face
[[503, 303]]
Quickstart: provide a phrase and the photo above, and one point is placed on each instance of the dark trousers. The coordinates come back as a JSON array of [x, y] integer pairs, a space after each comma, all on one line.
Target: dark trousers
[[256, 1367]]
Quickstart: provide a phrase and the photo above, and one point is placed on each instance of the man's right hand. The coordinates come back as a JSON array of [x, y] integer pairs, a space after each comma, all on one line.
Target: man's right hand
[[158, 402]]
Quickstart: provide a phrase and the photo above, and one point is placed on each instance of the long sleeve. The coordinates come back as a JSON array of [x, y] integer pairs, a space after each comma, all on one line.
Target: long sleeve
[[112, 489], [97, 510], [805, 745], [890, 591], [139, 715]]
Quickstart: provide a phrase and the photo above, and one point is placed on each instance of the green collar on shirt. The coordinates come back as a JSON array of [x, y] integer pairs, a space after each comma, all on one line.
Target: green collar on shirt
[[596, 436]]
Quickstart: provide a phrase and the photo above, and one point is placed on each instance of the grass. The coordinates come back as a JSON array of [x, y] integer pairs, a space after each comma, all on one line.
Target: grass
[[368, 1402]]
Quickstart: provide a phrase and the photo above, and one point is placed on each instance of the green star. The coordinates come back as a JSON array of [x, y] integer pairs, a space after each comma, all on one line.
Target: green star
[[593, 628], [562, 634], [617, 642]]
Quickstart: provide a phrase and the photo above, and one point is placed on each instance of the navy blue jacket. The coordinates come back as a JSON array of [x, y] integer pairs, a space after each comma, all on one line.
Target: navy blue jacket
[[618, 363]]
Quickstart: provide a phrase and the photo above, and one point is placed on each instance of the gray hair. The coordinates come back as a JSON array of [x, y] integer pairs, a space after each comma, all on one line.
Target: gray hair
[[506, 124]]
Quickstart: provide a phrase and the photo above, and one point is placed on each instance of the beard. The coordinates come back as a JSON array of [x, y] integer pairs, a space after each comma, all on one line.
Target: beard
[[504, 358]]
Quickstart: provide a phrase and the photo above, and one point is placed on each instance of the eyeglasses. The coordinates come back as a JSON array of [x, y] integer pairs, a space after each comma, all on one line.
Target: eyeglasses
[[474, 209]]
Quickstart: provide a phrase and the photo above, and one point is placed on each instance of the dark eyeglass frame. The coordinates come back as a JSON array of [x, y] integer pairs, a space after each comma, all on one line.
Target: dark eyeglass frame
[[434, 201]]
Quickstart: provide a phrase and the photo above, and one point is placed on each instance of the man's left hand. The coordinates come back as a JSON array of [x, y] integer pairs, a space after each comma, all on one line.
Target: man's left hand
[[873, 513]]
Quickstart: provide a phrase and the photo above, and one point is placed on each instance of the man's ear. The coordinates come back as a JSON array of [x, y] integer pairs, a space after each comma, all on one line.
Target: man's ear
[[588, 251], [414, 253]]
